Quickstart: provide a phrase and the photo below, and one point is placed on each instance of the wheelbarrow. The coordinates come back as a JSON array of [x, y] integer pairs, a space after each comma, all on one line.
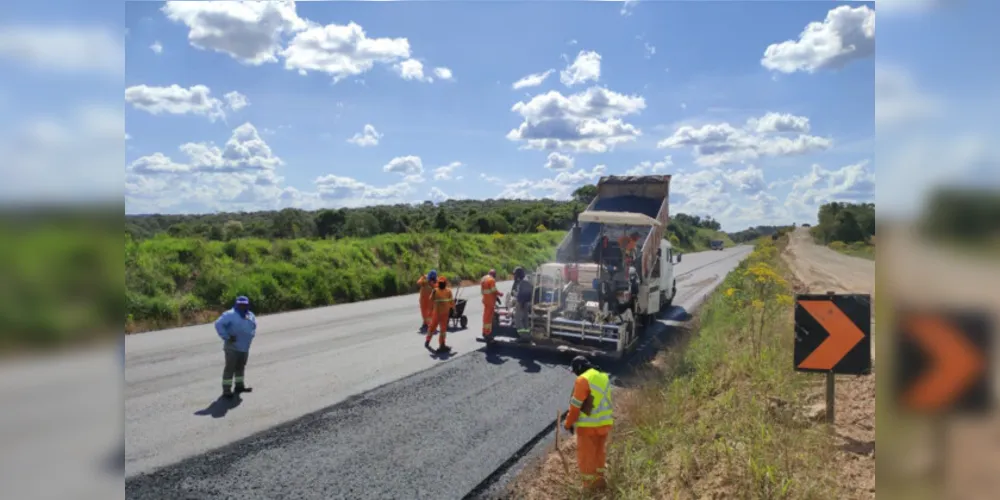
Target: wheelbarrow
[[457, 315]]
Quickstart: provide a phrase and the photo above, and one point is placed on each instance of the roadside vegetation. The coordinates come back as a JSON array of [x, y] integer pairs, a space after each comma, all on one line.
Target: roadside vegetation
[[848, 228], [964, 219], [60, 277], [175, 281], [185, 269], [723, 416]]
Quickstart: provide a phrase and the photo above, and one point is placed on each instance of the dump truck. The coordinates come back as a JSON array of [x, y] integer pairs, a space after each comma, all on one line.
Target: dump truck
[[612, 275]]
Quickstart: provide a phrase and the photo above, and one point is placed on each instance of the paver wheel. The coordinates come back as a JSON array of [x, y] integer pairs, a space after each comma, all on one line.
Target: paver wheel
[[464, 322]]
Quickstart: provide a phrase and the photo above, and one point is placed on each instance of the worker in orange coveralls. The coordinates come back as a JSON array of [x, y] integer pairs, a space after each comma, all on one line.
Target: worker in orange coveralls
[[491, 296], [590, 412], [444, 302], [628, 245], [426, 284]]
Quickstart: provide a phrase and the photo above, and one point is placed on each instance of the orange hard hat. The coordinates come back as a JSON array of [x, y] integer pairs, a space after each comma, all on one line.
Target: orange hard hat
[[441, 279]]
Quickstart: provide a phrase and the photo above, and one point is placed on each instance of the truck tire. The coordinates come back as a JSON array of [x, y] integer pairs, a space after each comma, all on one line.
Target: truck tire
[[668, 302]]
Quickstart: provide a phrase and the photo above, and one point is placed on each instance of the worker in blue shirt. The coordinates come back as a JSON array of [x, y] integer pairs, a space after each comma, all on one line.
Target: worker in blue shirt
[[237, 328]]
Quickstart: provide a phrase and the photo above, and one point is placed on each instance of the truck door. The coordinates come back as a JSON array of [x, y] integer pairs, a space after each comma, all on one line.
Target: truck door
[[667, 269]]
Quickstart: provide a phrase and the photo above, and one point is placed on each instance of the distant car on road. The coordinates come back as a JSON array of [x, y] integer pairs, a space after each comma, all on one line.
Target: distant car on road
[[717, 244]]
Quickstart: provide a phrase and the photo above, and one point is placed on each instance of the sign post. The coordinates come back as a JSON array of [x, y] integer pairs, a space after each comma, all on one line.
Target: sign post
[[833, 336]]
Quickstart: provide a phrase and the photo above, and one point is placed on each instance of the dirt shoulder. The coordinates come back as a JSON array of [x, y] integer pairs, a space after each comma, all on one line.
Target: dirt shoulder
[[818, 270]]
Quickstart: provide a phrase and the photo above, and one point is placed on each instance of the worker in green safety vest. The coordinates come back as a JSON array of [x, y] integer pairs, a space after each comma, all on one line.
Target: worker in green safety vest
[[590, 413]]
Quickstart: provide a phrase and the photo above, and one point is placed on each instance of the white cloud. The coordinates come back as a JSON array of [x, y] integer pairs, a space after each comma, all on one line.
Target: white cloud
[[778, 123], [446, 172], [405, 165], [443, 73], [703, 192], [343, 51], [589, 121], [853, 183], [157, 48], [749, 181], [558, 161], [76, 156], [437, 195], [650, 50], [898, 101], [175, 100], [532, 80], [721, 143], [244, 152], [560, 187], [65, 49], [368, 137], [627, 7], [491, 179], [847, 34], [249, 32], [586, 67], [412, 69], [352, 192], [651, 167], [236, 100]]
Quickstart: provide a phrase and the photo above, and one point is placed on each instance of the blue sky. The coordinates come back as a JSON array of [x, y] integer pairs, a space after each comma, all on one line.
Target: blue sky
[[758, 118]]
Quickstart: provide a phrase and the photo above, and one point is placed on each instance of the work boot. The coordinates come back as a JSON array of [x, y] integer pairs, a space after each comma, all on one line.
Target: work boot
[[227, 392], [423, 328], [243, 388], [427, 344], [443, 349]]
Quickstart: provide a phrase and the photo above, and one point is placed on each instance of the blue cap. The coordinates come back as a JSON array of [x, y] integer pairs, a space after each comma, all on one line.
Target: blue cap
[[433, 274], [242, 299]]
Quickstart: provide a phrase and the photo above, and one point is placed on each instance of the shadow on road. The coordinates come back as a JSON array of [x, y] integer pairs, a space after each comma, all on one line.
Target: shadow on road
[[220, 407], [662, 334]]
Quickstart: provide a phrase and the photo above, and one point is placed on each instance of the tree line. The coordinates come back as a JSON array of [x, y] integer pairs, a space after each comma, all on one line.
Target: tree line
[[465, 216], [845, 222]]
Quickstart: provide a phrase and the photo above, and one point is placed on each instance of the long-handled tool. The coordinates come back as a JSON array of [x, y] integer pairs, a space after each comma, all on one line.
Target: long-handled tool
[[562, 457]]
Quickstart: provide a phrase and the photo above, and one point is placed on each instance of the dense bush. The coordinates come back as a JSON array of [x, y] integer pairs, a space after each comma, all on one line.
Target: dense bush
[[845, 222], [171, 280]]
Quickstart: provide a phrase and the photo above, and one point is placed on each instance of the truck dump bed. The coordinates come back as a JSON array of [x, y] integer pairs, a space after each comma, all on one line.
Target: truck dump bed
[[648, 195]]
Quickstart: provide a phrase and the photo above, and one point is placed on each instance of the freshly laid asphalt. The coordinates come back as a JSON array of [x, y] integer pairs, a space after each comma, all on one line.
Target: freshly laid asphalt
[[430, 428]]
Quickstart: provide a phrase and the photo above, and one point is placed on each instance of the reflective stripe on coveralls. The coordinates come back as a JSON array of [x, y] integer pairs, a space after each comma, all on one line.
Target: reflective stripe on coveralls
[[426, 306], [600, 389], [443, 303], [488, 285]]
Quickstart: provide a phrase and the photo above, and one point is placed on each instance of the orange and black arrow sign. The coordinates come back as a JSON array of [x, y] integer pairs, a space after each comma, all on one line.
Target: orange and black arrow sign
[[944, 361], [833, 333]]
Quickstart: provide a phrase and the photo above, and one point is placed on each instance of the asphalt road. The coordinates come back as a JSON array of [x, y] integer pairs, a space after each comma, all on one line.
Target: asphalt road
[[436, 434]]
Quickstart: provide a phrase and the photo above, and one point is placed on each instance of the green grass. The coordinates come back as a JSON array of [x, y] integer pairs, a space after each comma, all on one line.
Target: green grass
[[857, 249], [59, 283], [175, 281], [721, 417]]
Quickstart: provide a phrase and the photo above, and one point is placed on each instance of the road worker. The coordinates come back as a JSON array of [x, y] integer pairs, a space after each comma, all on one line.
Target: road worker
[[444, 302], [237, 328], [426, 284], [491, 297], [522, 294], [591, 415], [628, 245]]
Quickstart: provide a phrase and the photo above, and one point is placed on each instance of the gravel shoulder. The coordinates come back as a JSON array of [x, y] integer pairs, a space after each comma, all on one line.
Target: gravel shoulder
[[818, 270]]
